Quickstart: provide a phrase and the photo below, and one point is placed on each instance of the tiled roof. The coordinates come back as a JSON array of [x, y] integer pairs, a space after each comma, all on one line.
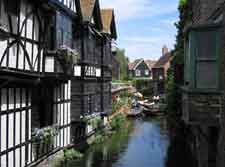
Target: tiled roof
[[163, 60], [130, 66], [87, 8], [150, 63], [135, 63], [107, 16], [108, 21]]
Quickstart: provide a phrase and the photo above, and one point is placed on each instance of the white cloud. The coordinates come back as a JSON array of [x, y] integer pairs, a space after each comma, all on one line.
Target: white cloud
[[144, 26], [147, 47], [130, 9]]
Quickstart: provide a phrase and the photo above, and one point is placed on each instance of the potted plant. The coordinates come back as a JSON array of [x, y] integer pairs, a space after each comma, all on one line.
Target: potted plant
[[42, 139], [67, 58]]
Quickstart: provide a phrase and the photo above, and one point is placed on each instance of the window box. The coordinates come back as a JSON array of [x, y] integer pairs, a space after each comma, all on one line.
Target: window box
[[67, 58]]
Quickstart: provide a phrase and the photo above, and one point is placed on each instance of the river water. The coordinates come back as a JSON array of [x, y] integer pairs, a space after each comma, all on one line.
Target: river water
[[142, 143]]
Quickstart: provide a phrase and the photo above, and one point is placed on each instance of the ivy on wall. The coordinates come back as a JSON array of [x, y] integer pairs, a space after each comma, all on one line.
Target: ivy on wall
[[173, 91]]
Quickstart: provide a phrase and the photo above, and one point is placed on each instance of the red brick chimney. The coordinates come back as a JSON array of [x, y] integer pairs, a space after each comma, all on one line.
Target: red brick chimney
[[165, 50]]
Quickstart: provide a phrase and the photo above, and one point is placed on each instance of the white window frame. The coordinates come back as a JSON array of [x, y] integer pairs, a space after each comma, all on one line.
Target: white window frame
[[137, 73], [77, 71], [146, 72]]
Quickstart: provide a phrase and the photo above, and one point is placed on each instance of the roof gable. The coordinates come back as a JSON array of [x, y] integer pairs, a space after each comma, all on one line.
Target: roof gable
[[90, 12], [135, 64], [150, 63], [142, 65], [163, 60], [108, 21]]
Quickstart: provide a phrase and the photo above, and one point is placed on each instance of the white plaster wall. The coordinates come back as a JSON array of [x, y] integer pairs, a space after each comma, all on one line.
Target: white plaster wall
[[32, 29]]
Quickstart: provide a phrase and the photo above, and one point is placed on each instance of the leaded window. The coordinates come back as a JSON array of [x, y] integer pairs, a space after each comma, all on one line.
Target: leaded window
[[63, 30]]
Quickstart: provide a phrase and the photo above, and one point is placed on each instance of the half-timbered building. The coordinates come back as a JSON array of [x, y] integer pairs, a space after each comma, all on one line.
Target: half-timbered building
[[55, 72], [85, 88], [109, 36], [36, 60], [91, 90]]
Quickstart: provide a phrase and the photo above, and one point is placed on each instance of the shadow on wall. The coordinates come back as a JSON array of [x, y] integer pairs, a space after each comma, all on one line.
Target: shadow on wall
[[179, 153]]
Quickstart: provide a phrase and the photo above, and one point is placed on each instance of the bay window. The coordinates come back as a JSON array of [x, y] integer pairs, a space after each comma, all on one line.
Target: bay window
[[202, 57]]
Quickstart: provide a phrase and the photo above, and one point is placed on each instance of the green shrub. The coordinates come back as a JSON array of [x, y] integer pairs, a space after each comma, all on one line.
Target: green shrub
[[145, 86], [67, 156], [95, 122], [117, 122], [72, 154]]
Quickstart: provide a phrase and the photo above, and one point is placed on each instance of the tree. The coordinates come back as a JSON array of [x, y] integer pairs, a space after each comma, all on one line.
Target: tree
[[123, 60]]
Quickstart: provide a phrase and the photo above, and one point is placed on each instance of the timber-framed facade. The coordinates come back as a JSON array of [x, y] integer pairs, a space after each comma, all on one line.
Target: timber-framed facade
[[55, 70]]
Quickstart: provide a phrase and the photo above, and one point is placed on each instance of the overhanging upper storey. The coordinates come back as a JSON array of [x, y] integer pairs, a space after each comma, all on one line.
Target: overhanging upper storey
[[203, 77], [69, 7]]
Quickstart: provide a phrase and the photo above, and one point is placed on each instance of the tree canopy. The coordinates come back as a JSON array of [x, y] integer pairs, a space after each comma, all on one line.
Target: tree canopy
[[123, 60]]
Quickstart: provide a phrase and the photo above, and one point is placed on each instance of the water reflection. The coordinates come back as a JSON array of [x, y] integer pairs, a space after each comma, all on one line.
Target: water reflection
[[143, 143]]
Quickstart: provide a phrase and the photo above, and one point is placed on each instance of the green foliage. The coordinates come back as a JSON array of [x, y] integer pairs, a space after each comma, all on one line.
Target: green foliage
[[123, 60], [184, 19], [171, 94], [125, 94], [68, 155], [117, 122], [44, 135], [144, 86], [173, 91], [182, 3], [95, 122], [72, 154], [124, 101]]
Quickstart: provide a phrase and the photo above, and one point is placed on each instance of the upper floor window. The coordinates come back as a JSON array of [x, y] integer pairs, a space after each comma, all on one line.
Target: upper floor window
[[71, 4], [138, 73], [64, 30], [203, 49]]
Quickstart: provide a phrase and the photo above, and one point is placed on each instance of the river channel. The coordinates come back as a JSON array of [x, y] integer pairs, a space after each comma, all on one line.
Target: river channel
[[142, 143]]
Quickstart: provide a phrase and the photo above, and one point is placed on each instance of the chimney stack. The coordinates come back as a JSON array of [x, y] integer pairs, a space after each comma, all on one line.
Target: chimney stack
[[165, 50]]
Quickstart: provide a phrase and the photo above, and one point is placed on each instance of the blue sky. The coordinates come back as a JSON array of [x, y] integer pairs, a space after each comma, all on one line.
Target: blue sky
[[144, 26]]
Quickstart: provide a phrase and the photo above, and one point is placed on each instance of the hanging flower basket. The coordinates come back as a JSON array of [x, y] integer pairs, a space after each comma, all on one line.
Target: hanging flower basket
[[4, 35], [67, 57]]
